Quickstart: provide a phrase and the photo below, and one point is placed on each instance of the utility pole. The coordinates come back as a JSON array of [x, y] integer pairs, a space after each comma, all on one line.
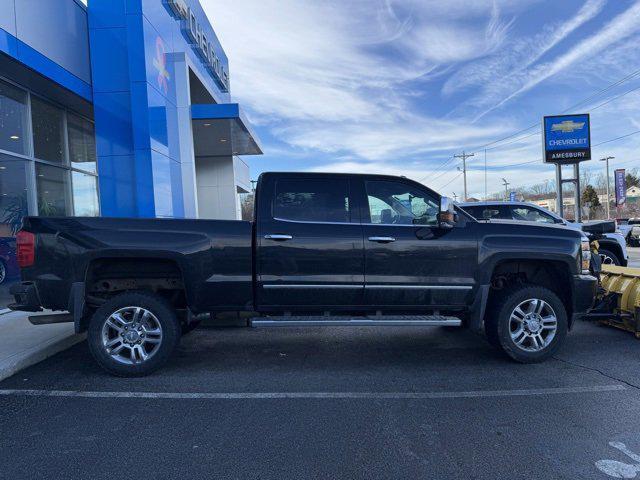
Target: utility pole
[[606, 159], [485, 175], [455, 197], [464, 157], [506, 189]]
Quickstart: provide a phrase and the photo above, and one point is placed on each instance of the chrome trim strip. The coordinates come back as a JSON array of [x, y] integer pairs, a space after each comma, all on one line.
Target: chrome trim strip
[[278, 286], [404, 287], [266, 322], [424, 287]]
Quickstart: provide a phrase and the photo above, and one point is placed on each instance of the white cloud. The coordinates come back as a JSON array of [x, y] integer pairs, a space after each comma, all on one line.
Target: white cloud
[[616, 30], [356, 82], [497, 76], [332, 75]]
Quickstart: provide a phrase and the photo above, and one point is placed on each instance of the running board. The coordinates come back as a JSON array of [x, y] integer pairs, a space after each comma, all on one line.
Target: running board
[[51, 318], [373, 321]]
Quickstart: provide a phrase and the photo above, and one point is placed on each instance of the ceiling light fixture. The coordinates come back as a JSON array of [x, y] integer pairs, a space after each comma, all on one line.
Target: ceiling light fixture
[[14, 137]]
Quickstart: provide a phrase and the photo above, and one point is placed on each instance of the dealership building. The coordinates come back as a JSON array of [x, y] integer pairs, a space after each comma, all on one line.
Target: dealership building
[[122, 108]]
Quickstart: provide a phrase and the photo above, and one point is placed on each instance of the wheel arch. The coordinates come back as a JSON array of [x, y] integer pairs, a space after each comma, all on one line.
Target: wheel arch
[[552, 274]]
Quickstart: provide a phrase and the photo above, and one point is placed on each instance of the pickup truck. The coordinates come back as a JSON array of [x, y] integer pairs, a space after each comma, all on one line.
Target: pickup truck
[[322, 249]]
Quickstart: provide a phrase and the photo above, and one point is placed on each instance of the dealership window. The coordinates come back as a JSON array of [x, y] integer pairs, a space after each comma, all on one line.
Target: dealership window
[[57, 156], [13, 207], [47, 123], [82, 143], [13, 119], [52, 186], [85, 195], [13, 194]]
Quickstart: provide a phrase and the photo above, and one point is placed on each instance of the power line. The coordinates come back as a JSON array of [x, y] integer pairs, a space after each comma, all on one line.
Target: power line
[[617, 138], [439, 189], [589, 98]]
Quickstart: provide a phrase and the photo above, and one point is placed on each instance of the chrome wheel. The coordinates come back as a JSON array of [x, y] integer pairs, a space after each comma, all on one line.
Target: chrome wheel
[[533, 325], [131, 335], [3, 272]]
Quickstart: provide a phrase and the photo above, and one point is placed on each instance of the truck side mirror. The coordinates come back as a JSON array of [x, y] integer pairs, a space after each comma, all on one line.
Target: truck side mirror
[[447, 215]]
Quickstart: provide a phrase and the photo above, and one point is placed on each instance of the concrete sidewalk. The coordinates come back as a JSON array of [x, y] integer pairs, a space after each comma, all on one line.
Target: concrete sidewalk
[[23, 344]]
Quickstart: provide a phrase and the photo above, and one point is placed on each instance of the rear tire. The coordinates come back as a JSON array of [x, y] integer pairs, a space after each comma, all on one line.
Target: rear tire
[[133, 334], [528, 323]]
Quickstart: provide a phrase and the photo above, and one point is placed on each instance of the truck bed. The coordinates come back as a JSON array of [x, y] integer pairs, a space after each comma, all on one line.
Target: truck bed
[[214, 257]]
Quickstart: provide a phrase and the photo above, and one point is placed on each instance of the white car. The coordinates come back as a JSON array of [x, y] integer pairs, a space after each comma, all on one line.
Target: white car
[[613, 247]]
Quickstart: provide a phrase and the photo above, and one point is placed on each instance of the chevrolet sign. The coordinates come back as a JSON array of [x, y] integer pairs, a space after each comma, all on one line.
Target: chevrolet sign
[[567, 138], [194, 32]]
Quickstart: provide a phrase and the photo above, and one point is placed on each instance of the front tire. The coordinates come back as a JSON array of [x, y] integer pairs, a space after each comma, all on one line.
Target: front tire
[[3, 272], [133, 334], [528, 323]]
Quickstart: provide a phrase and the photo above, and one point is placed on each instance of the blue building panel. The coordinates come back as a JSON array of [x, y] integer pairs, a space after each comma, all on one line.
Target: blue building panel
[[109, 60], [114, 129], [117, 186], [8, 43], [118, 55]]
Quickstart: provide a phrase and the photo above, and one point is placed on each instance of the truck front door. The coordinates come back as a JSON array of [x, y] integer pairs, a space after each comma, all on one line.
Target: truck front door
[[309, 243], [409, 259]]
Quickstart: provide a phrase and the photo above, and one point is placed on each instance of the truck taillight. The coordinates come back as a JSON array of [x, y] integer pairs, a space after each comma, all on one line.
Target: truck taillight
[[25, 248]]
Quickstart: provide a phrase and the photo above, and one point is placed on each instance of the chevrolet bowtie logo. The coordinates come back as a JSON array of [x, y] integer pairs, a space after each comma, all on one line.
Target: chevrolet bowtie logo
[[567, 126], [160, 62]]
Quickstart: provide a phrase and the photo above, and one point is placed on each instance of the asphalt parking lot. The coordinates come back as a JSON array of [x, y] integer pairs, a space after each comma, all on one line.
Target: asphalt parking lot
[[335, 403], [332, 403]]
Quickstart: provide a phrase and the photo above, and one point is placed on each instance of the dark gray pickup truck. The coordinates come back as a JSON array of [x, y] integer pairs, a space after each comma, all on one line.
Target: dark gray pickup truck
[[323, 249]]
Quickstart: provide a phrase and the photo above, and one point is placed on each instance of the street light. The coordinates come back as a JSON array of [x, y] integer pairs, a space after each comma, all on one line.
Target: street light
[[606, 159]]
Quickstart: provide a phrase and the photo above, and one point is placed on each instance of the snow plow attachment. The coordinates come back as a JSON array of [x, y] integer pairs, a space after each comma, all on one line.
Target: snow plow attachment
[[618, 302]]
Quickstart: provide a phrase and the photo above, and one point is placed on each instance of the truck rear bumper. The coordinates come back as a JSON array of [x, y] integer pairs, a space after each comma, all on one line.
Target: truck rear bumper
[[26, 297], [584, 294]]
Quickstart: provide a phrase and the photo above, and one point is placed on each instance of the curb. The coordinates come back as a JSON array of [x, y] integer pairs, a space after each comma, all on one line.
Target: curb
[[4, 310], [29, 357]]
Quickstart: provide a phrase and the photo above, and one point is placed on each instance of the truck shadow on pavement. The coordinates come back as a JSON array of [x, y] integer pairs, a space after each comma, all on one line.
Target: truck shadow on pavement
[[348, 359]]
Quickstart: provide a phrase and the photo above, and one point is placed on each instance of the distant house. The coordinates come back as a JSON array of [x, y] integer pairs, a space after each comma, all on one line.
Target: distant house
[[633, 192]]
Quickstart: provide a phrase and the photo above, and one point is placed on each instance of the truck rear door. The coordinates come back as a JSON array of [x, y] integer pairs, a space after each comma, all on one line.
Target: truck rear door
[[309, 243]]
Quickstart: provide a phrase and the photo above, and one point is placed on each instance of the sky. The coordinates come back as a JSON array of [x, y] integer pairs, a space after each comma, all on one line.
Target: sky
[[400, 86]]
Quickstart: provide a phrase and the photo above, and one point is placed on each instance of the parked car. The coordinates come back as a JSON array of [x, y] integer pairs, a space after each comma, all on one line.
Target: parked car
[[322, 250], [8, 265], [613, 246], [626, 227], [634, 235]]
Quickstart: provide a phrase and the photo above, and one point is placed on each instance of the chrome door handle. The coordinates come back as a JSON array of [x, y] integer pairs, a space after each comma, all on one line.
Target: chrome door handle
[[278, 237], [382, 239]]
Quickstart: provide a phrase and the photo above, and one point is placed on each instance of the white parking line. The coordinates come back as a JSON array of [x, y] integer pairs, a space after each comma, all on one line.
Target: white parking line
[[315, 395]]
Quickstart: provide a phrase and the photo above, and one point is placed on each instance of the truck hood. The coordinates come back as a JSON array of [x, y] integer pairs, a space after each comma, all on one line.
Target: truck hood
[[532, 228]]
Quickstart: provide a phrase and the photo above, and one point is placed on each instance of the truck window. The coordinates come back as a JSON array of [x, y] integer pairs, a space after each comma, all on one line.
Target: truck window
[[312, 200], [396, 203], [529, 214], [486, 212]]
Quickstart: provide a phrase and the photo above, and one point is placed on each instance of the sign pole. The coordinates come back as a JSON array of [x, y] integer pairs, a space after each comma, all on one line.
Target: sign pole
[[559, 203], [576, 174]]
